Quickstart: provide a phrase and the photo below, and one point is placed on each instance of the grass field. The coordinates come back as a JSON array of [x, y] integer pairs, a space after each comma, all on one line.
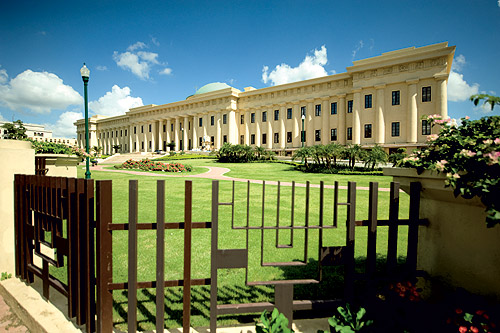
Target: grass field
[[232, 288]]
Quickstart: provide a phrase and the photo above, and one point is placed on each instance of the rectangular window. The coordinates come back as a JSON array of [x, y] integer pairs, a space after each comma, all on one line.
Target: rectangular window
[[135, 145], [149, 144], [368, 131], [149, 128], [142, 128], [288, 137], [242, 119], [426, 94], [200, 122], [276, 138], [212, 140], [135, 131], [395, 129], [164, 128], [116, 133], [317, 135], [125, 132], [276, 115], [426, 127], [212, 120], [333, 108], [368, 101], [200, 140], [189, 125], [111, 133], [224, 119], [396, 97], [264, 138], [264, 116], [317, 110], [349, 133], [333, 134], [252, 139], [121, 132], [289, 113], [224, 139], [302, 111], [252, 117], [349, 106], [142, 145], [242, 139]]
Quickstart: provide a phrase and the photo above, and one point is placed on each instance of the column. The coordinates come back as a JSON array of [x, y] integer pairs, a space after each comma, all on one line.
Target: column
[[195, 132], [309, 123], [176, 133], [233, 133], [325, 118], [258, 135], [412, 112], [153, 136], [218, 130], [442, 96], [145, 136], [168, 138], [356, 121], [282, 126], [341, 125], [185, 141], [379, 125], [296, 125], [270, 134], [137, 143], [247, 127]]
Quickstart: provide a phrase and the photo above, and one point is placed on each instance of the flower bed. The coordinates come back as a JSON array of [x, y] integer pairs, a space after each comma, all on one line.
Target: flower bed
[[148, 165]]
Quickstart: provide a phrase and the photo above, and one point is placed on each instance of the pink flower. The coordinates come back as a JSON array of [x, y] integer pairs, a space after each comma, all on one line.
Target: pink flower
[[467, 153], [440, 165], [432, 137], [493, 157], [467, 117], [488, 142], [497, 141], [462, 329]]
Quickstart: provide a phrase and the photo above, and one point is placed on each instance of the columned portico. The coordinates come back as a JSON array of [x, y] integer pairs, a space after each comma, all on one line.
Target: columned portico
[[356, 121], [442, 95], [412, 111]]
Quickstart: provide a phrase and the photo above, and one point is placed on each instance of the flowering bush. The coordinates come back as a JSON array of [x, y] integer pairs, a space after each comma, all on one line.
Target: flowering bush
[[148, 165], [468, 154], [477, 322]]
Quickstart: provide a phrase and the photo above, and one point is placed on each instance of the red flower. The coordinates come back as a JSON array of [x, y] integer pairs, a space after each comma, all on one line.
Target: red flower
[[474, 329], [458, 311], [485, 316], [462, 329]]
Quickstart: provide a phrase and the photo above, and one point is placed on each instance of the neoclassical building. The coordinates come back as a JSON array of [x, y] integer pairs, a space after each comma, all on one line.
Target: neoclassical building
[[379, 100]]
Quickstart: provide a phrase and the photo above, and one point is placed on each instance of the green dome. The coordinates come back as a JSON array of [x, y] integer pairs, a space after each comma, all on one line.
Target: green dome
[[211, 87]]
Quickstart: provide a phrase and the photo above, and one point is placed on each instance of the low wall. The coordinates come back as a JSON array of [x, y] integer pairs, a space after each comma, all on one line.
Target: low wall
[[456, 247], [15, 157], [61, 165]]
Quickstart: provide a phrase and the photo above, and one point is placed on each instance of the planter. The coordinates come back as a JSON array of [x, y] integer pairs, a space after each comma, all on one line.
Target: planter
[[60, 165], [456, 247]]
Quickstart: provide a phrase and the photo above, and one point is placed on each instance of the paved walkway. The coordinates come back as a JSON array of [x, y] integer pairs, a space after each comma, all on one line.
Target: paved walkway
[[9, 322], [218, 173]]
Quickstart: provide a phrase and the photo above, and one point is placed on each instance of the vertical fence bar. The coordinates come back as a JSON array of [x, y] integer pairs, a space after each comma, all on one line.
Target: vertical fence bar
[[104, 247], [89, 297], [18, 208], [350, 236], [132, 256], [292, 218], [248, 225], [213, 255], [160, 255], [186, 308], [411, 258], [306, 231], [70, 207], [371, 257], [335, 203], [320, 233], [262, 230], [392, 241], [278, 215], [80, 249]]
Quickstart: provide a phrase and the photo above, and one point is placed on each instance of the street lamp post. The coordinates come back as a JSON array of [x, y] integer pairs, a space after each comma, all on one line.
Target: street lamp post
[[85, 72], [302, 136]]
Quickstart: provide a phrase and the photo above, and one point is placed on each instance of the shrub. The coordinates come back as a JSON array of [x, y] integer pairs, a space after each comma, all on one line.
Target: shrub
[[148, 165]]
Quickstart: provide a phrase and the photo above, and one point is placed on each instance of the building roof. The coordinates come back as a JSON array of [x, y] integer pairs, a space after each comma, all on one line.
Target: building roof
[[211, 87]]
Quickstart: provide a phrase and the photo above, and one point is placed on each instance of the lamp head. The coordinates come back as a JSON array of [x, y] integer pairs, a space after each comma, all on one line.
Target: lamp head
[[85, 72], [303, 116]]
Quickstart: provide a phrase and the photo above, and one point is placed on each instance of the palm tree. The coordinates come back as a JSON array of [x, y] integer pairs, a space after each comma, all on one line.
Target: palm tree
[[303, 153], [260, 152], [374, 157], [488, 99], [353, 153]]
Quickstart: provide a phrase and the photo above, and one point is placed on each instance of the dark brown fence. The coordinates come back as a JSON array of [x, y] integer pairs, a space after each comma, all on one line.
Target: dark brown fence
[[61, 208], [41, 165]]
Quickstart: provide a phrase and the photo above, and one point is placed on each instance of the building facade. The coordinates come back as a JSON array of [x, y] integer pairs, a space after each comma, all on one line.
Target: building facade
[[379, 100], [39, 133]]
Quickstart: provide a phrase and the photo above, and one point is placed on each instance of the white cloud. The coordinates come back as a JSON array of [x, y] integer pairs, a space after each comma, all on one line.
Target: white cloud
[[498, 3], [101, 68], [458, 89], [358, 47], [148, 56], [166, 71], [64, 128], [115, 102], [139, 62], [39, 92], [155, 41], [138, 45], [3, 76], [2, 118], [310, 67]]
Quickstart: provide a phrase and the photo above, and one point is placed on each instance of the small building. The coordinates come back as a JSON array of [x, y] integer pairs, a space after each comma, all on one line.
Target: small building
[[39, 133]]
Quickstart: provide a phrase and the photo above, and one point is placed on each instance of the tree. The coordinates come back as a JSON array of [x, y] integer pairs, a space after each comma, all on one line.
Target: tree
[[15, 130], [96, 150], [374, 157], [260, 152], [116, 148], [488, 99], [303, 153], [397, 156], [353, 153]]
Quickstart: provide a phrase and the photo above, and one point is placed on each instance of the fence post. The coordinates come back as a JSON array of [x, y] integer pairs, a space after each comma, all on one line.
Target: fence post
[[213, 256], [132, 257], [413, 226], [160, 255], [351, 223], [186, 308]]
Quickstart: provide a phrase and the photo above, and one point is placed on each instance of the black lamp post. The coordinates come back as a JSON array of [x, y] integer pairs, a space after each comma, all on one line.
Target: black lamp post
[[302, 136], [85, 72]]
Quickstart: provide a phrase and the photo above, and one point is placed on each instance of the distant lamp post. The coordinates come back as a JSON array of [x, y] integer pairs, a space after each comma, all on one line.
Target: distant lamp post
[[182, 139], [302, 136], [85, 72]]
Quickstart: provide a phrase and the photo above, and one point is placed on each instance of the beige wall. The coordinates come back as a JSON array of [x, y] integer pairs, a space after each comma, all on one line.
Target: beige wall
[[61, 165], [15, 157]]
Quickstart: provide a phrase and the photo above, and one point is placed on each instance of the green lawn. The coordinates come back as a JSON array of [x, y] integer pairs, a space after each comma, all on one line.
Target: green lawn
[[232, 288]]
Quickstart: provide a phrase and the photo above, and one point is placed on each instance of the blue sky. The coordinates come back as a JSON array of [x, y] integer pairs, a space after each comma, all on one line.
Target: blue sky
[[157, 52]]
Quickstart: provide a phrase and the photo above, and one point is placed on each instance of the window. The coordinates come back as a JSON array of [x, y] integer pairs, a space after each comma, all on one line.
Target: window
[[368, 131], [276, 138], [149, 144], [142, 145], [349, 106], [150, 128], [116, 133], [252, 139], [189, 125], [317, 110], [171, 127], [333, 134], [200, 140], [212, 120], [426, 94], [242, 119], [264, 116], [142, 129], [135, 145], [276, 115], [317, 135], [333, 108], [289, 113], [349, 133], [368, 101], [264, 138], [125, 132], [395, 129], [224, 119], [396, 97], [135, 131], [252, 118], [200, 122], [242, 139], [426, 127], [111, 133], [121, 132], [289, 137], [212, 140], [302, 111], [224, 139]]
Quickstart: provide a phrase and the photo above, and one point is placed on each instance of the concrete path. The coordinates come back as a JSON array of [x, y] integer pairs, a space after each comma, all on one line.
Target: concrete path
[[218, 173], [9, 322]]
